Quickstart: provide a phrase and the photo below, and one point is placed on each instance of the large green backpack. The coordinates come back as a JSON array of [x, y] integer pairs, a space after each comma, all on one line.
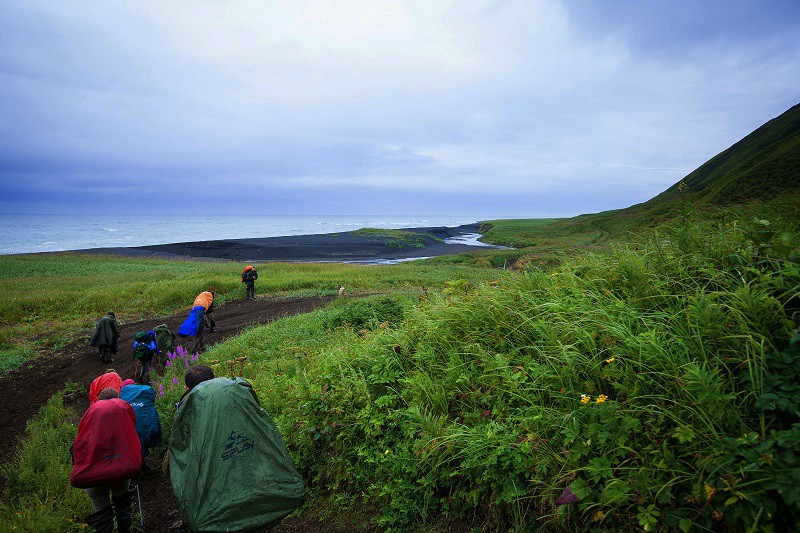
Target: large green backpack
[[165, 339], [228, 464]]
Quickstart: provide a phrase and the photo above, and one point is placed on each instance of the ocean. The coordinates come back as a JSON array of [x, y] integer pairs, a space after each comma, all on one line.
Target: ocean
[[53, 233]]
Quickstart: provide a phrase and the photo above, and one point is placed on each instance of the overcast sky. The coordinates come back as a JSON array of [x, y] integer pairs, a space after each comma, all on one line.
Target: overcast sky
[[495, 108]]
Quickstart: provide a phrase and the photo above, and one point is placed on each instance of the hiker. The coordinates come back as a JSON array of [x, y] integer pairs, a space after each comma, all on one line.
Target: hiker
[[249, 277], [144, 350], [225, 448], [198, 320], [108, 380], [106, 337], [106, 455], [206, 299], [148, 426], [165, 341]]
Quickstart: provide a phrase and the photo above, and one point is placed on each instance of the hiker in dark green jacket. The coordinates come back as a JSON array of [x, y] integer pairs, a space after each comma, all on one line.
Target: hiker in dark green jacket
[[106, 337]]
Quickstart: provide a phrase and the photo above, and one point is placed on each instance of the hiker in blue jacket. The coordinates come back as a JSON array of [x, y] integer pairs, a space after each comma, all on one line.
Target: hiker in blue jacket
[[144, 349]]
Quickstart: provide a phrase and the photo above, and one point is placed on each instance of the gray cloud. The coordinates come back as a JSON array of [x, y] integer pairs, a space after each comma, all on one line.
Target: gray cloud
[[526, 109]]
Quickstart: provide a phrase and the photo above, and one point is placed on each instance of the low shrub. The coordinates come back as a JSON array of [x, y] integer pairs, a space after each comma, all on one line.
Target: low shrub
[[364, 312]]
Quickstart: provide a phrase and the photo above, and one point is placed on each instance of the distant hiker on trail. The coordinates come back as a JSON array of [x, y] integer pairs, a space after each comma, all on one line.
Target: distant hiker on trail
[[249, 277], [144, 350], [225, 449], [108, 380], [148, 426], [106, 337], [106, 455], [198, 320]]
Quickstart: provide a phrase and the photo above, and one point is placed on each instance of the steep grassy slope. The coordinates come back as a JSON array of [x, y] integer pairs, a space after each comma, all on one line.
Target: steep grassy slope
[[762, 168]]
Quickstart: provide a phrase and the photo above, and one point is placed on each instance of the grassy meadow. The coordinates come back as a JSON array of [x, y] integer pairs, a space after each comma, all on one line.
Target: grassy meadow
[[50, 299], [650, 385]]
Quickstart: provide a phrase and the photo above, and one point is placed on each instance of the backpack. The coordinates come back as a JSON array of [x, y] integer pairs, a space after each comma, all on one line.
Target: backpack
[[228, 464], [148, 426], [141, 346], [191, 326], [109, 380], [165, 339], [107, 449], [249, 275]]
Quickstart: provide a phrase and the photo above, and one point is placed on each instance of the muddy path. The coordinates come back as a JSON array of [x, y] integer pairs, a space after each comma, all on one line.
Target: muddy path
[[25, 390]]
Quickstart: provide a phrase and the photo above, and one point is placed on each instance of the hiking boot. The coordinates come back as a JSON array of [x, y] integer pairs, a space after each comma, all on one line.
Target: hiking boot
[[102, 521], [122, 510]]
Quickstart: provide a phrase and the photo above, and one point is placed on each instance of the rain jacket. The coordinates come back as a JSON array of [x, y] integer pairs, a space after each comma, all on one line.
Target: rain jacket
[[191, 325], [148, 426], [228, 464], [106, 449], [106, 333]]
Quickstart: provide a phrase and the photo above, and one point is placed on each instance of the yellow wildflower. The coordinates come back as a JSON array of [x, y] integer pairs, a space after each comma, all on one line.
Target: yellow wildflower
[[610, 360], [585, 399], [602, 398], [386, 452]]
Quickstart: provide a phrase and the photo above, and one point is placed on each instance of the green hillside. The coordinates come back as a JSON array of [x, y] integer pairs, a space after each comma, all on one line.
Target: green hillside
[[762, 168]]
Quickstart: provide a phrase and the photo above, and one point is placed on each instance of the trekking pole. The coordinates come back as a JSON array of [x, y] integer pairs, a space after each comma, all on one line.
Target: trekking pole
[[139, 502]]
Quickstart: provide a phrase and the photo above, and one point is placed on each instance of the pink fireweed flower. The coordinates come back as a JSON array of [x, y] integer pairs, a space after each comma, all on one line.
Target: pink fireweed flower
[[161, 390], [186, 364], [195, 357], [174, 381], [168, 363]]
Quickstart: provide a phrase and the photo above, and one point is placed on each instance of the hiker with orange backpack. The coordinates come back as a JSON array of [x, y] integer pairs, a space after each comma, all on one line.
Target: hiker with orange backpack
[[249, 277], [198, 319]]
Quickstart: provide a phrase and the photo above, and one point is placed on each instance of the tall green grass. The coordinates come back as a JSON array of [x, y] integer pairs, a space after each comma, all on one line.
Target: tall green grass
[[650, 387], [38, 496]]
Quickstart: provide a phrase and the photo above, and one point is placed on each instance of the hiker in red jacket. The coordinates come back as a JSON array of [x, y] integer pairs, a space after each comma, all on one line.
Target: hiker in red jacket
[[106, 455]]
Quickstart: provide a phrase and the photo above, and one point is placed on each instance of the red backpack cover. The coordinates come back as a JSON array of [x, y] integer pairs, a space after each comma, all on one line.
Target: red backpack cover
[[107, 448], [109, 380]]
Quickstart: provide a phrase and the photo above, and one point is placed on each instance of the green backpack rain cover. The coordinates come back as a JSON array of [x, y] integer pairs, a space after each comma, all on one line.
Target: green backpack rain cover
[[229, 467], [165, 339]]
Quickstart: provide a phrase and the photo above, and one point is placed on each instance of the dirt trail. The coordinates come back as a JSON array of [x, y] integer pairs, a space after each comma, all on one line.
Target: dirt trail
[[24, 391]]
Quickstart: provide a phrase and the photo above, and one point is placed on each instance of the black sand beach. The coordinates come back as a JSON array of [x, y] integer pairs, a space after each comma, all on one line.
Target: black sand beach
[[341, 247]]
